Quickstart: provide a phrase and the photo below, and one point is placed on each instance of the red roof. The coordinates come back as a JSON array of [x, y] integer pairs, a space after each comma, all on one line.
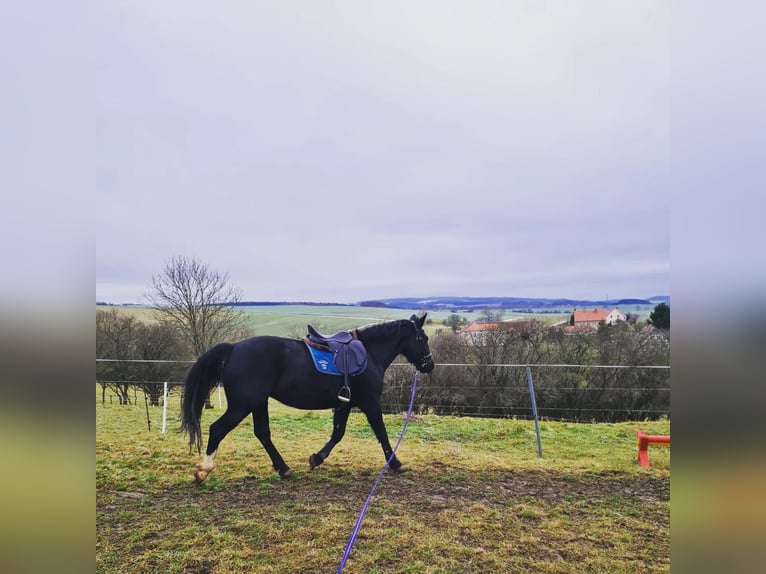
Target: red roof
[[590, 315], [479, 327]]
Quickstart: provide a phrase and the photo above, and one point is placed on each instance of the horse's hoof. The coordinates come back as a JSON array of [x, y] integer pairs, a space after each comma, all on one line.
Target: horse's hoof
[[314, 461], [200, 476], [286, 474], [401, 470]]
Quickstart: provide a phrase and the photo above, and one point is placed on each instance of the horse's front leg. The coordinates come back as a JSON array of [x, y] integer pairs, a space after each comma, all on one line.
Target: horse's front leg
[[375, 418], [340, 418]]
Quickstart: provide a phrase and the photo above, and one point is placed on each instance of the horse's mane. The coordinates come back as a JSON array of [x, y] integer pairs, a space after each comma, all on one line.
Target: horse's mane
[[384, 329]]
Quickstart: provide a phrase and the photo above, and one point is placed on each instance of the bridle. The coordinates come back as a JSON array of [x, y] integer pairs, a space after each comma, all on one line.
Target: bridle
[[427, 358]]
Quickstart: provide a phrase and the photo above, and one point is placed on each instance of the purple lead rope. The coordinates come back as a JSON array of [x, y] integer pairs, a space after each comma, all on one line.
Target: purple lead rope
[[358, 525]]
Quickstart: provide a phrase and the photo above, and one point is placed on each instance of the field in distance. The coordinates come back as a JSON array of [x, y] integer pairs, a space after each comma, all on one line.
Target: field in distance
[[291, 320]]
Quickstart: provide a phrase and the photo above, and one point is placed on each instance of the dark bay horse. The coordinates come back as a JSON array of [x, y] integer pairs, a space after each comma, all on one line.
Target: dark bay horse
[[261, 367]]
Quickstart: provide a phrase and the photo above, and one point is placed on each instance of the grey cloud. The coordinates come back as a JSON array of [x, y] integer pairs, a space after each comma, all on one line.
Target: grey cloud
[[444, 148]]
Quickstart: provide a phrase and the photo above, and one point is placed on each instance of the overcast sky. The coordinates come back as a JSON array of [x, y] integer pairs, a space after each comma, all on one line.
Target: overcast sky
[[341, 151]]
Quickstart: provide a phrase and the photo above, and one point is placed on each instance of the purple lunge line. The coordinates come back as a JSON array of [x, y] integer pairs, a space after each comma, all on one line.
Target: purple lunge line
[[359, 520]]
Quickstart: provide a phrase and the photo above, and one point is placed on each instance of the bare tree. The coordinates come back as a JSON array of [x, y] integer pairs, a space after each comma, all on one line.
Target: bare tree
[[199, 302], [156, 344], [455, 321], [126, 342], [115, 340]]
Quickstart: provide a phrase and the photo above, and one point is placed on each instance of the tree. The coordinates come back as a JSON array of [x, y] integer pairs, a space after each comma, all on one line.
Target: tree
[[489, 316], [155, 344], [660, 317], [199, 302], [454, 322], [128, 342], [446, 391], [115, 337]]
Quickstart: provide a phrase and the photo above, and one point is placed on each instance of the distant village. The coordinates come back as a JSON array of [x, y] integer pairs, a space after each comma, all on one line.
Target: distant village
[[580, 321]]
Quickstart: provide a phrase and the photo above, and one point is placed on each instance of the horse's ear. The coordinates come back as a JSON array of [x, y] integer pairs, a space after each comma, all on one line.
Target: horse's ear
[[420, 319]]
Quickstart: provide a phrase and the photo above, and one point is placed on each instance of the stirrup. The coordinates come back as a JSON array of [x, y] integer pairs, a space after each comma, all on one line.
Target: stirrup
[[344, 397]]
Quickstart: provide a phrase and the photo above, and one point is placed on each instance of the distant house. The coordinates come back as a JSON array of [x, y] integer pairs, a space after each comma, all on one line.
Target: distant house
[[615, 316], [479, 327], [476, 332], [592, 317]]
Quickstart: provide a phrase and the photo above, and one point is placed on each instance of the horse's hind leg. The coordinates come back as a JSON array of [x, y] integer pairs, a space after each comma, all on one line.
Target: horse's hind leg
[[263, 433], [218, 430], [340, 418]]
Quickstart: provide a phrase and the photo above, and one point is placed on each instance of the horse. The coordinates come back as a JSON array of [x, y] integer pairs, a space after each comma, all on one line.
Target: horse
[[257, 368]]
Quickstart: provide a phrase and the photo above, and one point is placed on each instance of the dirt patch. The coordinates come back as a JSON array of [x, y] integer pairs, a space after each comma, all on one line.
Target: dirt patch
[[541, 486], [441, 486]]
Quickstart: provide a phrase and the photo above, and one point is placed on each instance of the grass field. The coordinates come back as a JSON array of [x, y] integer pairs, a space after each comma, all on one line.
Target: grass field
[[291, 320], [477, 498]]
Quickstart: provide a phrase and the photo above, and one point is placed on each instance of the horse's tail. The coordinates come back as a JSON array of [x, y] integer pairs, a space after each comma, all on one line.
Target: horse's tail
[[202, 377]]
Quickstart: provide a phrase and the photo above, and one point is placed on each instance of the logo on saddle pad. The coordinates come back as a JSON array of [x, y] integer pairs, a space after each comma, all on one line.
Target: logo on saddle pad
[[338, 354]]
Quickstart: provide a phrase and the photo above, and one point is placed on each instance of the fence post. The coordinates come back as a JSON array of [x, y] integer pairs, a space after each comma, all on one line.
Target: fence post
[[164, 405], [534, 411]]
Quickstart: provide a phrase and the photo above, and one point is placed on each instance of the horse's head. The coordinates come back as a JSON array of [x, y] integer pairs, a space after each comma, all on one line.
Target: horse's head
[[416, 348]]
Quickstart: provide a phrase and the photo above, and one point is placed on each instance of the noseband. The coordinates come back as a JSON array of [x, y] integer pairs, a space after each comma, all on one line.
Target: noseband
[[424, 361]]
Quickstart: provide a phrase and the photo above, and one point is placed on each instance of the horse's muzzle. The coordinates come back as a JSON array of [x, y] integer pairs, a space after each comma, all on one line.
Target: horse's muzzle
[[426, 364]]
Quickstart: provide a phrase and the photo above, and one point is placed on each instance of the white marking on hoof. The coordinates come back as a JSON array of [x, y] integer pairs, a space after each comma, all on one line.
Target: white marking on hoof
[[204, 467]]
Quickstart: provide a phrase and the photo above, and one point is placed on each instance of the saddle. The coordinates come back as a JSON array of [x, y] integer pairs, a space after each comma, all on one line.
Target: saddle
[[341, 337], [349, 354]]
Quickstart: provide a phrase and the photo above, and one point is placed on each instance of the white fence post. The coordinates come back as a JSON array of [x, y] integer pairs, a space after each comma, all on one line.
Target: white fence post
[[164, 405]]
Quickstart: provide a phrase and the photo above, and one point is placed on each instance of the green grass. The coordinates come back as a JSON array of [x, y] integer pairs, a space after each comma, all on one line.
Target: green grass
[[477, 498]]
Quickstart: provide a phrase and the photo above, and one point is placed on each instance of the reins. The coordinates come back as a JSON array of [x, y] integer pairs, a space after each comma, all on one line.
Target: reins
[[358, 525]]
